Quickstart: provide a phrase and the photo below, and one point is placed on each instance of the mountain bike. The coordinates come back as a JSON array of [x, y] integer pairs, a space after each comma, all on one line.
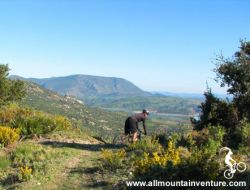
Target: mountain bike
[[126, 139], [240, 167]]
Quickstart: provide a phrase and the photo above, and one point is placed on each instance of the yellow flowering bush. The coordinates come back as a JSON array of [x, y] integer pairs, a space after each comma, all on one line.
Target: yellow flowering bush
[[31, 121], [8, 135], [10, 113], [112, 160], [25, 173], [158, 159], [62, 123]]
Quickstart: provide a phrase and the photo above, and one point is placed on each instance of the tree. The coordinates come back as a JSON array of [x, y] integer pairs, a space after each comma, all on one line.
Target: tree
[[235, 73], [216, 112], [10, 90]]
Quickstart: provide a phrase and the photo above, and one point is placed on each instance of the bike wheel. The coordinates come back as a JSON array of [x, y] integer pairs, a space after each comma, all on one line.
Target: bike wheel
[[228, 174], [241, 167], [119, 139]]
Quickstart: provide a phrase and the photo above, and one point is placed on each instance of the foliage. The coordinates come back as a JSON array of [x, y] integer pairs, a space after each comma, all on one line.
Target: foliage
[[201, 165], [62, 123], [235, 73], [216, 112], [244, 131], [162, 159], [8, 135], [112, 160], [42, 124], [30, 121], [149, 159], [215, 140], [24, 173], [10, 90], [148, 145], [33, 158], [4, 162]]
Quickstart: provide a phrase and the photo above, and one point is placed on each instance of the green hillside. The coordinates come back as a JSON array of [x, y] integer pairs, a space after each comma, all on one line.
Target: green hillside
[[161, 104], [96, 121]]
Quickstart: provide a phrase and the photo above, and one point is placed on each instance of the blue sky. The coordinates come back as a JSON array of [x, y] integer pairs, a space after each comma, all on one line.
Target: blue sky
[[166, 45]]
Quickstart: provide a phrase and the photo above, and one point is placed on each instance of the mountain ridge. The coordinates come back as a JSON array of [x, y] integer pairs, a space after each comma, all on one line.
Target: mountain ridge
[[87, 85]]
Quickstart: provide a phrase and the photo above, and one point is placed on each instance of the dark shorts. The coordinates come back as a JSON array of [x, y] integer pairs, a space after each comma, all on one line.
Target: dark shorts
[[130, 126]]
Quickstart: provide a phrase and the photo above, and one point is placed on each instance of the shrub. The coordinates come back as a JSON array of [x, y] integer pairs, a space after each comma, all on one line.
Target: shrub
[[244, 130], [8, 135], [112, 160], [36, 125], [148, 145], [215, 139], [4, 162], [31, 121], [156, 159], [24, 173], [29, 155], [36, 157], [10, 113], [62, 123], [199, 166]]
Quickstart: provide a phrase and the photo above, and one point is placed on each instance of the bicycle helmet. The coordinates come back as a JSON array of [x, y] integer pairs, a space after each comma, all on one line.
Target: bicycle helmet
[[145, 111]]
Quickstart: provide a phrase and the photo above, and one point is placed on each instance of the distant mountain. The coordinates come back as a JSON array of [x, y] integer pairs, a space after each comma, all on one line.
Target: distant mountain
[[85, 86]]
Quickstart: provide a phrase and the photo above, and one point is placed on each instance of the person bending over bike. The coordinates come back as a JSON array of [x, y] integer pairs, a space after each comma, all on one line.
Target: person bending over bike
[[131, 124]]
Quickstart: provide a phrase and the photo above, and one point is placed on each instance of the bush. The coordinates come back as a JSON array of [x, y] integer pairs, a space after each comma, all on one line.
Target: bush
[[215, 140], [36, 125], [149, 145], [198, 166], [244, 130], [8, 135], [32, 158], [157, 160], [148, 160], [10, 113], [24, 173], [4, 162], [27, 155], [62, 123], [112, 160], [32, 122], [10, 90]]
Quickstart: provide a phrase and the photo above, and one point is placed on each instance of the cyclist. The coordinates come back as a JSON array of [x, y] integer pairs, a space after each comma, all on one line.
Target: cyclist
[[131, 124]]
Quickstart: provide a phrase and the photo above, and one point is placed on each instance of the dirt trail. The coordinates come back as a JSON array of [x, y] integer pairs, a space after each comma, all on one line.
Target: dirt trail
[[76, 172]]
